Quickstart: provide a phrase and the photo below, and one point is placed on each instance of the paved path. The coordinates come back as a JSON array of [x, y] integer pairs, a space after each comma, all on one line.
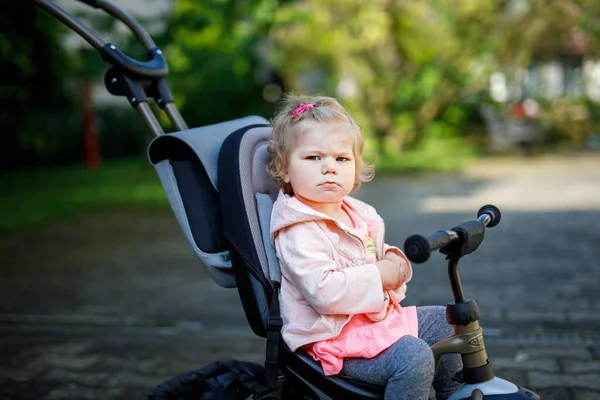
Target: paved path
[[108, 306]]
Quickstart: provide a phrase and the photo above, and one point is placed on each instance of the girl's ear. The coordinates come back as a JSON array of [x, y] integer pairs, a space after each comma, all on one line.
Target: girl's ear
[[286, 177]]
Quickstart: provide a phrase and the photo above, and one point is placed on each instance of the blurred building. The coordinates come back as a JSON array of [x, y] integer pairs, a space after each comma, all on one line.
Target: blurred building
[[559, 69], [562, 81]]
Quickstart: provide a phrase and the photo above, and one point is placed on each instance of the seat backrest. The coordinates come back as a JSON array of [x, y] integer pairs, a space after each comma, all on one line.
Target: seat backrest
[[246, 194], [216, 182], [186, 163]]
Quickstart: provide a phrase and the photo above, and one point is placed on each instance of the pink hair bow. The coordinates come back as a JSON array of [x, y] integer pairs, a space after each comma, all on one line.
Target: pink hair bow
[[301, 109]]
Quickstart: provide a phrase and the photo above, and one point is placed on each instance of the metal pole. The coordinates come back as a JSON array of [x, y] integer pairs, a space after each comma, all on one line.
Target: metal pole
[[175, 117], [148, 116], [455, 284]]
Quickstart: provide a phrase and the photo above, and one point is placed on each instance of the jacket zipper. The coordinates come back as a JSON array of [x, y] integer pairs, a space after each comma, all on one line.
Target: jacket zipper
[[362, 245]]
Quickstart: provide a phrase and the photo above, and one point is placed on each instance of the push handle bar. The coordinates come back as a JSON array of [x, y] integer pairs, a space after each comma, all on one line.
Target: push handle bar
[[155, 67], [418, 248], [128, 77], [141, 34]]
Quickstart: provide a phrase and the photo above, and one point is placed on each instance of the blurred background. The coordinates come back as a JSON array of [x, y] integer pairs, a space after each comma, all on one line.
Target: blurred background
[[462, 102], [435, 84]]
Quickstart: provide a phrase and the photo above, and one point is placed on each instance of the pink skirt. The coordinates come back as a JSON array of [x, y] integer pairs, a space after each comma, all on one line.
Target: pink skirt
[[363, 338]]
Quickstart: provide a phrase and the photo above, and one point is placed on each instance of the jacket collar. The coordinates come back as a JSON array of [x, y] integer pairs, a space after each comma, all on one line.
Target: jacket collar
[[288, 210]]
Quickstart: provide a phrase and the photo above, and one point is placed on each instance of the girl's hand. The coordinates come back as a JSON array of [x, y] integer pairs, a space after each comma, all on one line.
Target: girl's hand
[[401, 264], [390, 274]]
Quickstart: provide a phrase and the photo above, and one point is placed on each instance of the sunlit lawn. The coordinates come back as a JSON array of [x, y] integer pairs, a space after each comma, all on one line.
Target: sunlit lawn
[[30, 198], [33, 198]]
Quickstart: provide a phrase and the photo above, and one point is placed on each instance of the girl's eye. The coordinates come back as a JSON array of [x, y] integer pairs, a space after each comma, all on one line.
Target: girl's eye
[[312, 157], [342, 159]]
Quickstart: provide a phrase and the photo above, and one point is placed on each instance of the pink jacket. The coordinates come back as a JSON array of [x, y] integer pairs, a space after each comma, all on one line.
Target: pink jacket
[[324, 275]]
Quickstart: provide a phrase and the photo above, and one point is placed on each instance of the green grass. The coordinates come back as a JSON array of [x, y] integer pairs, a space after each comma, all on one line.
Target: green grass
[[33, 198]]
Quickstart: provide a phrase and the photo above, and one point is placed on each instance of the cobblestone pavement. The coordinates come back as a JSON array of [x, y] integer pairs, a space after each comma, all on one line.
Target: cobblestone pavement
[[108, 306]]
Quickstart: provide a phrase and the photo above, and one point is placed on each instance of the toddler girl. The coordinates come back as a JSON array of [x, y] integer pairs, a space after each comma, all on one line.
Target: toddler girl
[[341, 284]]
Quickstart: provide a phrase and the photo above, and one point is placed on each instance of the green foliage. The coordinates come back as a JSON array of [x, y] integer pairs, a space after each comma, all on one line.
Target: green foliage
[[41, 100], [409, 71], [31, 198], [215, 53], [570, 121], [35, 103], [413, 73], [407, 61], [416, 66], [121, 132]]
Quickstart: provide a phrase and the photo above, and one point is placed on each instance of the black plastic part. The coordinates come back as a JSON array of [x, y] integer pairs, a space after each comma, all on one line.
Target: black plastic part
[[155, 67], [462, 313], [471, 234], [136, 89], [119, 84], [159, 90], [417, 248], [294, 388], [274, 325], [493, 212], [478, 374], [439, 239], [467, 239], [455, 284]]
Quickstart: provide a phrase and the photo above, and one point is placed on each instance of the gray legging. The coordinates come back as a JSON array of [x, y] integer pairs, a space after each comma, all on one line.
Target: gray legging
[[407, 367]]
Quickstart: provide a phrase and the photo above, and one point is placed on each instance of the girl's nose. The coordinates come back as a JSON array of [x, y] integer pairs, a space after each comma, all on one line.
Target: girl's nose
[[329, 166]]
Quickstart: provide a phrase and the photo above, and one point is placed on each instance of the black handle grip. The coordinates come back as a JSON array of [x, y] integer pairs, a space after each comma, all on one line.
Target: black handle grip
[[155, 67], [440, 239], [493, 212], [418, 248]]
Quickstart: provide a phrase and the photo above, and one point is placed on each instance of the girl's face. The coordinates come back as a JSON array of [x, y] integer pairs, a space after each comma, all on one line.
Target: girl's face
[[322, 167]]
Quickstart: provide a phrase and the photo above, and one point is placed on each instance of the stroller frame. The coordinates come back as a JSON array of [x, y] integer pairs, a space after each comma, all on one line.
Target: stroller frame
[[206, 169]]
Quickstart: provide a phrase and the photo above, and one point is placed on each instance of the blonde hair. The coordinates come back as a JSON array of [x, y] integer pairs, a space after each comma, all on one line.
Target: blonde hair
[[286, 129]]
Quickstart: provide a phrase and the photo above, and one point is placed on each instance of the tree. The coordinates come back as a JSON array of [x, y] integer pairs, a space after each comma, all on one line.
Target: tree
[[217, 71], [35, 106], [405, 67], [406, 59]]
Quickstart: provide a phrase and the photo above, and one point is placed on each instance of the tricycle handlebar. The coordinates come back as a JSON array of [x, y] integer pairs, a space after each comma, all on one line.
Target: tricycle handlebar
[[418, 248]]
